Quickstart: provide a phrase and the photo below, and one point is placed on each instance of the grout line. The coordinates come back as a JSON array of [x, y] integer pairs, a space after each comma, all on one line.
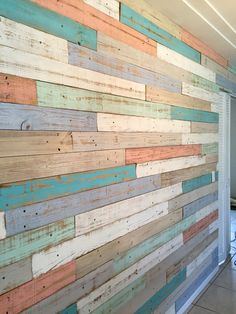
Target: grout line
[[205, 308], [214, 284]]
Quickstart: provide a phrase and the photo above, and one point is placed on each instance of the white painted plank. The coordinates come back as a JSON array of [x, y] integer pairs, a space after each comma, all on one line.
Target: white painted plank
[[2, 226], [119, 282], [120, 123], [202, 213], [161, 166], [25, 64], [196, 138], [25, 38], [102, 216], [110, 7], [185, 63], [69, 250], [198, 92]]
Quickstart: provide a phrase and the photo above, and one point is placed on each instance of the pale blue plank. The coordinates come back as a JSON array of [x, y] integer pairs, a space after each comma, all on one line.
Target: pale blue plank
[[195, 183]]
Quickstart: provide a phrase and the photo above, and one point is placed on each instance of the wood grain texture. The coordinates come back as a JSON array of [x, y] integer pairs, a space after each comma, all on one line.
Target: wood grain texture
[[198, 92], [110, 8], [186, 114], [196, 183], [89, 16], [210, 148], [199, 138], [60, 73], [24, 117], [202, 127], [140, 155], [119, 123], [15, 89], [21, 168], [31, 14], [36, 215], [25, 193], [161, 96]]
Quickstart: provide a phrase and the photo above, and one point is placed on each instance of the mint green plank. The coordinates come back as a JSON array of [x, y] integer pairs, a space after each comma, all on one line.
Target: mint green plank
[[201, 82], [151, 244], [29, 192], [33, 15], [112, 305], [151, 30], [210, 148], [195, 183], [181, 113], [72, 309], [59, 96], [150, 305], [24, 244]]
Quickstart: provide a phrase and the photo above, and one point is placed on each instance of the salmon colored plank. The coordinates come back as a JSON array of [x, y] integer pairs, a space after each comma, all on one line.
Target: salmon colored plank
[[139, 155], [199, 226], [203, 48], [91, 17], [17, 90], [24, 296]]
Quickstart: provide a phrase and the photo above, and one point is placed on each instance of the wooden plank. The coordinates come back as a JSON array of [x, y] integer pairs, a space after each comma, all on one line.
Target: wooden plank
[[210, 148], [119, 123], [100, 217], [198, 92], [201, 127], [232, 68], [146, 27], [25, 244], [173, 177], [72, 309], [227, 84], [68, 250], [26, 38], [156, 95], [197, 44], [177, 58], [196, 183], [33, 216], [29, 192], [94, 259], [203, 83], [161, 166], [15, 117], [202, 138], [110, 8], [91, 17], [59, 96], [192, 196], [30, 14], [212, 158], [17, 90], [110, 65], [53, 71], [140, 155], [2, 226], [24, 296], [187, 114], [22, 168], [15, 274]]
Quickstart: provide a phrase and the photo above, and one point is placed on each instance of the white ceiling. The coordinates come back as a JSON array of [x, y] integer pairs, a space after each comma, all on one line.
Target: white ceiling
[[212, 21]]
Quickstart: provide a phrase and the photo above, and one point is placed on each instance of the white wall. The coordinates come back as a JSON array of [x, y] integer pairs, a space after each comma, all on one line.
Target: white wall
[[233, 148]]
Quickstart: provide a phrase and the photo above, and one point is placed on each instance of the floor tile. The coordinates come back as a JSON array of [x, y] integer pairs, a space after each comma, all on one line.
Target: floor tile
[[218, 299], [227, 279], [199, 310], [232, 263]]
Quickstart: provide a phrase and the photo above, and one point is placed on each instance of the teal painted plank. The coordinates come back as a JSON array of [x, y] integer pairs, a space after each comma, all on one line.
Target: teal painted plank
[[112, 305], [72, 309], [28, 192], [232, 68], [22, 245], [146, 27], [31, 14], [151, 244], [150, 305], [195, 183], [186, 114]]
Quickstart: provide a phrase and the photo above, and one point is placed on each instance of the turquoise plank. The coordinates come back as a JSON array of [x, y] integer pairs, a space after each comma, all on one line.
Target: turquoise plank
[[180, 113], [72, 309], [146, 27], [195, 183], [150, 305], [28, 192], [232, 68], [31, 14]]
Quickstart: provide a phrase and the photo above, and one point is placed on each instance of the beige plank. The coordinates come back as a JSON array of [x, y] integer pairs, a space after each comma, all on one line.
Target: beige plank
[[201, 127], [110, 7], [199, 138], [197, 92]]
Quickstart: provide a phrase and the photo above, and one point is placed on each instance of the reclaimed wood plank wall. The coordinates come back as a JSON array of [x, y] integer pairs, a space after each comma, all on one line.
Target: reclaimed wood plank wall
[[108, 158]]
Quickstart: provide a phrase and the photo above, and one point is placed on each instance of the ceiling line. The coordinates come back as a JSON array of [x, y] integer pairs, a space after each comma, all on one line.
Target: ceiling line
[[220, 15], [209, 23]]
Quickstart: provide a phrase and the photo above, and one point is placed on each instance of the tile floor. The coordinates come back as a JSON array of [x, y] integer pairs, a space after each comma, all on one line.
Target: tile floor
[[220, 296]]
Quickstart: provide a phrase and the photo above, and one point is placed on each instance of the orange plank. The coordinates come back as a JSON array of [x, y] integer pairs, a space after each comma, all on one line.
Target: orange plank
[[91, 17], [17, 90], [139, 155], [197, 44], [199, 226], [24, 296]]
